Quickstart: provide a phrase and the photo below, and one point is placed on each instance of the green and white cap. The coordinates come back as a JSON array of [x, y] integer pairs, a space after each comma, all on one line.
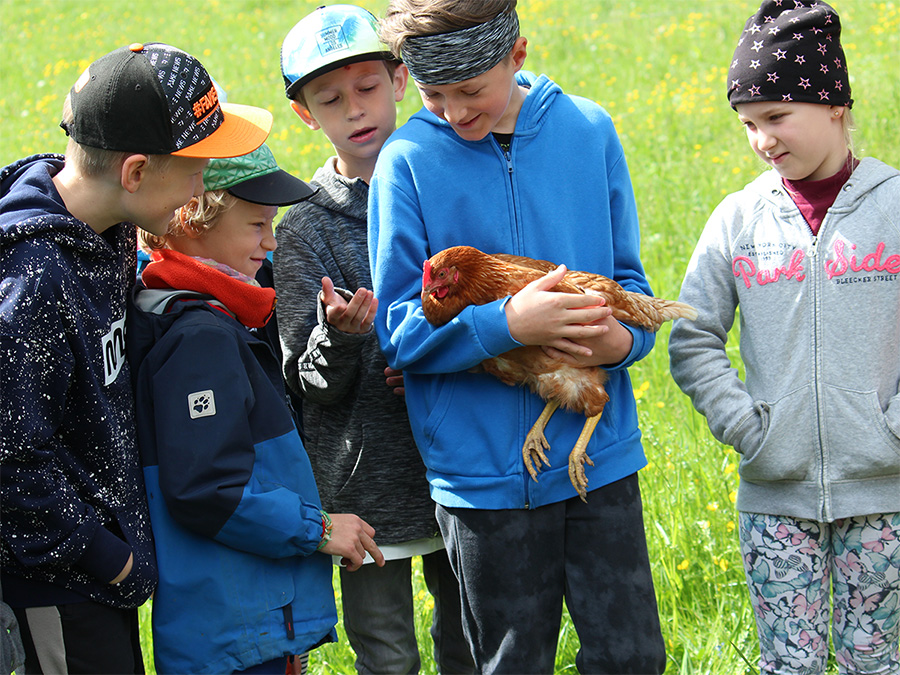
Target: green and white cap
[[328, 38], [255, 178]]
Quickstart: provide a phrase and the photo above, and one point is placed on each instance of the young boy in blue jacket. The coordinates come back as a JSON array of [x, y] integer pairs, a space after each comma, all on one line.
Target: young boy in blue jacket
[[530, 171], [75, 545], [233, 501]]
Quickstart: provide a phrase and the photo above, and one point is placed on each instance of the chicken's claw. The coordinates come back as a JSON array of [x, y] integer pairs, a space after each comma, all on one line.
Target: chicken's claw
[[576, 472], [533, 452], [536, 442], [579, 456]]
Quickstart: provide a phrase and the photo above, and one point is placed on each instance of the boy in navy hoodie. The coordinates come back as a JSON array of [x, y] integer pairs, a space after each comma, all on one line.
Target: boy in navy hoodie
[[75, 544]]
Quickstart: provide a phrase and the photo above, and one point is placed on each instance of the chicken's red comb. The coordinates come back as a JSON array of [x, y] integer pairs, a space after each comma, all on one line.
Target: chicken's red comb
[[426, 274]]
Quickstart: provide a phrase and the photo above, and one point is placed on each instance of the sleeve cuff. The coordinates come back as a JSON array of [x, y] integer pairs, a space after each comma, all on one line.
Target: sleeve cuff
[[492, 329], [105, 556]]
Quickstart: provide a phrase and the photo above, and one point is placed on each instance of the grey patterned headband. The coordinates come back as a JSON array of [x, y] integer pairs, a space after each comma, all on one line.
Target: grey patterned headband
[[461, 54]]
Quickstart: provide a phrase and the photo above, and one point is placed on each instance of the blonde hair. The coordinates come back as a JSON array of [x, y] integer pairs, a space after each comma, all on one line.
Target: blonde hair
[[93, 162], [406, 19], [197, 216], [849, 126]]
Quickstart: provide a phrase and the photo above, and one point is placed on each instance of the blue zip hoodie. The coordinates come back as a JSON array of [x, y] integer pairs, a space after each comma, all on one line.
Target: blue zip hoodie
[[232, 496], [72, 502], [561, 193]]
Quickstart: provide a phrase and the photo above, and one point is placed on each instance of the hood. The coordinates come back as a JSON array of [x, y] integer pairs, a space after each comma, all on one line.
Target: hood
[[868, 175], [31, 207], [337, 193], [542, 92]]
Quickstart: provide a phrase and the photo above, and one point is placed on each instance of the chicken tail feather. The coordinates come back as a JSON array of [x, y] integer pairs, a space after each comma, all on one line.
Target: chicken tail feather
[[650, 313]]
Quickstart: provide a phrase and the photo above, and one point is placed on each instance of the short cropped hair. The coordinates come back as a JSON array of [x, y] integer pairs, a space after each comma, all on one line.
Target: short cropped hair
[[95, 162], [198, 215], [406, 19]]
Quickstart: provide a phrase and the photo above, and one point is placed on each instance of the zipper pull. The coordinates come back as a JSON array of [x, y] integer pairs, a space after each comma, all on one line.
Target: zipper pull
[[288, 621]]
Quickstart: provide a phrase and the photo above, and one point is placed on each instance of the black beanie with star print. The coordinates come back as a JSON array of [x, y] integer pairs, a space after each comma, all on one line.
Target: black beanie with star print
[[790, 50]]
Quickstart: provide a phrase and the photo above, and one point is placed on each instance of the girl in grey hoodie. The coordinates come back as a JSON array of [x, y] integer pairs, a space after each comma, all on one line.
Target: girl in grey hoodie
[[810, 251]]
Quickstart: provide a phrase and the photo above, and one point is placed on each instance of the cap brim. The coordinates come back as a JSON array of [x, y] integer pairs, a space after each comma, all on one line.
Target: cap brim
[[244, 129], [294, 87], [278, 188]]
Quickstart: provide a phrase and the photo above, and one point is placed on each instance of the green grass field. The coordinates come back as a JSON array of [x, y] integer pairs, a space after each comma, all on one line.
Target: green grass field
[[659, 69]]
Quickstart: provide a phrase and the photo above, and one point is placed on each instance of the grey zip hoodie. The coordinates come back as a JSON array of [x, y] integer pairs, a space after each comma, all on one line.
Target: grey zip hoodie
[[356, 430], [817, 417]]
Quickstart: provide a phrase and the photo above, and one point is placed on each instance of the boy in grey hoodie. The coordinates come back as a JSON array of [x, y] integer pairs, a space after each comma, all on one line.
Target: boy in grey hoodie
[[356, 429], [810, 251]]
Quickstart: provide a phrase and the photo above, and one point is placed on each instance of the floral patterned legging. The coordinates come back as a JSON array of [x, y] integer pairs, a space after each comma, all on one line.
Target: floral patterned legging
[[791, 566]]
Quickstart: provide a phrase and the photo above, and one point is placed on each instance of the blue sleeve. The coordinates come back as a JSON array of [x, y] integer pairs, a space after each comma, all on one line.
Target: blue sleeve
[[628, 270], [212, 469], [398, 247]]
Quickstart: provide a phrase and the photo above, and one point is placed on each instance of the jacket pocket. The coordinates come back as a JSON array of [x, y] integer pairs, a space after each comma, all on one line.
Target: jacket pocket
[[141, 581], [445, 386], [788, 448], [469, 430], [858, 440]]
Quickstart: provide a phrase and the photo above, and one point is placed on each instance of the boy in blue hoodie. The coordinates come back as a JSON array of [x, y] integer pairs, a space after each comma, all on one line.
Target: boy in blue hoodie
[[75, 545], [529, 171]]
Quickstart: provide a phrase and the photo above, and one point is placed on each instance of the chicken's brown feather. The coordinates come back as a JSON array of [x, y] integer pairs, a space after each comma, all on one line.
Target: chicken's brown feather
[[461, 276], [485, 278]]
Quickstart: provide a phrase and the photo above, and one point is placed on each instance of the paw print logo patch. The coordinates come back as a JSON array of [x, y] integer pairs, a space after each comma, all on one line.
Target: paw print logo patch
[[202, 404]]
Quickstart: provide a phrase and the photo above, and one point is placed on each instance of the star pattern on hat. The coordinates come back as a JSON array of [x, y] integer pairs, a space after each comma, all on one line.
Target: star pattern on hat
[[790, 51]]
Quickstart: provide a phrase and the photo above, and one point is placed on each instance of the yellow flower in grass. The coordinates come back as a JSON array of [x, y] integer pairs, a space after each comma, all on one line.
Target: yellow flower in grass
[[733, 496], [683, 565], [712, 506], [730, 526]]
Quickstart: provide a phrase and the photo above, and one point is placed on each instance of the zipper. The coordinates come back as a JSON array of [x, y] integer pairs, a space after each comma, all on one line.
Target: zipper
[[288, 621], [523, 408], [825, 507]]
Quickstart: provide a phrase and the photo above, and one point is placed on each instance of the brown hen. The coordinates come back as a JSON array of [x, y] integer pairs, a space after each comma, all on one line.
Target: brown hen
[[461, 276]]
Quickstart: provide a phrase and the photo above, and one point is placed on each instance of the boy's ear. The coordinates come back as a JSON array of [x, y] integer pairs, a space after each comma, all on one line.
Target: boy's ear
[[519, 52], [401, 79], [305, 115], [133, 171]]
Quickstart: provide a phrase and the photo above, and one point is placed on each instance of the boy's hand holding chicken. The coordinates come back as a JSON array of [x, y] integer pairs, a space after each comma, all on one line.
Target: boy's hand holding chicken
[[576, 329]]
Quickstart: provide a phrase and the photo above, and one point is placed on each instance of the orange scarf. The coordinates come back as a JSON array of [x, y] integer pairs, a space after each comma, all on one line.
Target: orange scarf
[[251, 305]]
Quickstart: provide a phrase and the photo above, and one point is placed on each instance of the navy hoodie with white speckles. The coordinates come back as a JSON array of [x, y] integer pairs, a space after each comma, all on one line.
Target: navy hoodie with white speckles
[[72, 504]]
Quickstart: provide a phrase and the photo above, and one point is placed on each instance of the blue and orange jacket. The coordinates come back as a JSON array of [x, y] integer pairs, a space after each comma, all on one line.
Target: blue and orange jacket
[[233, 501]]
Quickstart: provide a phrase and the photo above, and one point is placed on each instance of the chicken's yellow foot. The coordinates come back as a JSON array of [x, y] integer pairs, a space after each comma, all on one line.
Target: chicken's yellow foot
[[536, 442], [579, 456]]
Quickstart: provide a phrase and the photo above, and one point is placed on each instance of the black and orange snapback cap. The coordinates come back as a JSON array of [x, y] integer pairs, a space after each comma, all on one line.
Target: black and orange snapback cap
[[156, 99]]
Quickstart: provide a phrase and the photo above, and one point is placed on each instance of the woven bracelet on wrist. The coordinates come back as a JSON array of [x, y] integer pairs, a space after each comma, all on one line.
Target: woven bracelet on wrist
[[327, 526]]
